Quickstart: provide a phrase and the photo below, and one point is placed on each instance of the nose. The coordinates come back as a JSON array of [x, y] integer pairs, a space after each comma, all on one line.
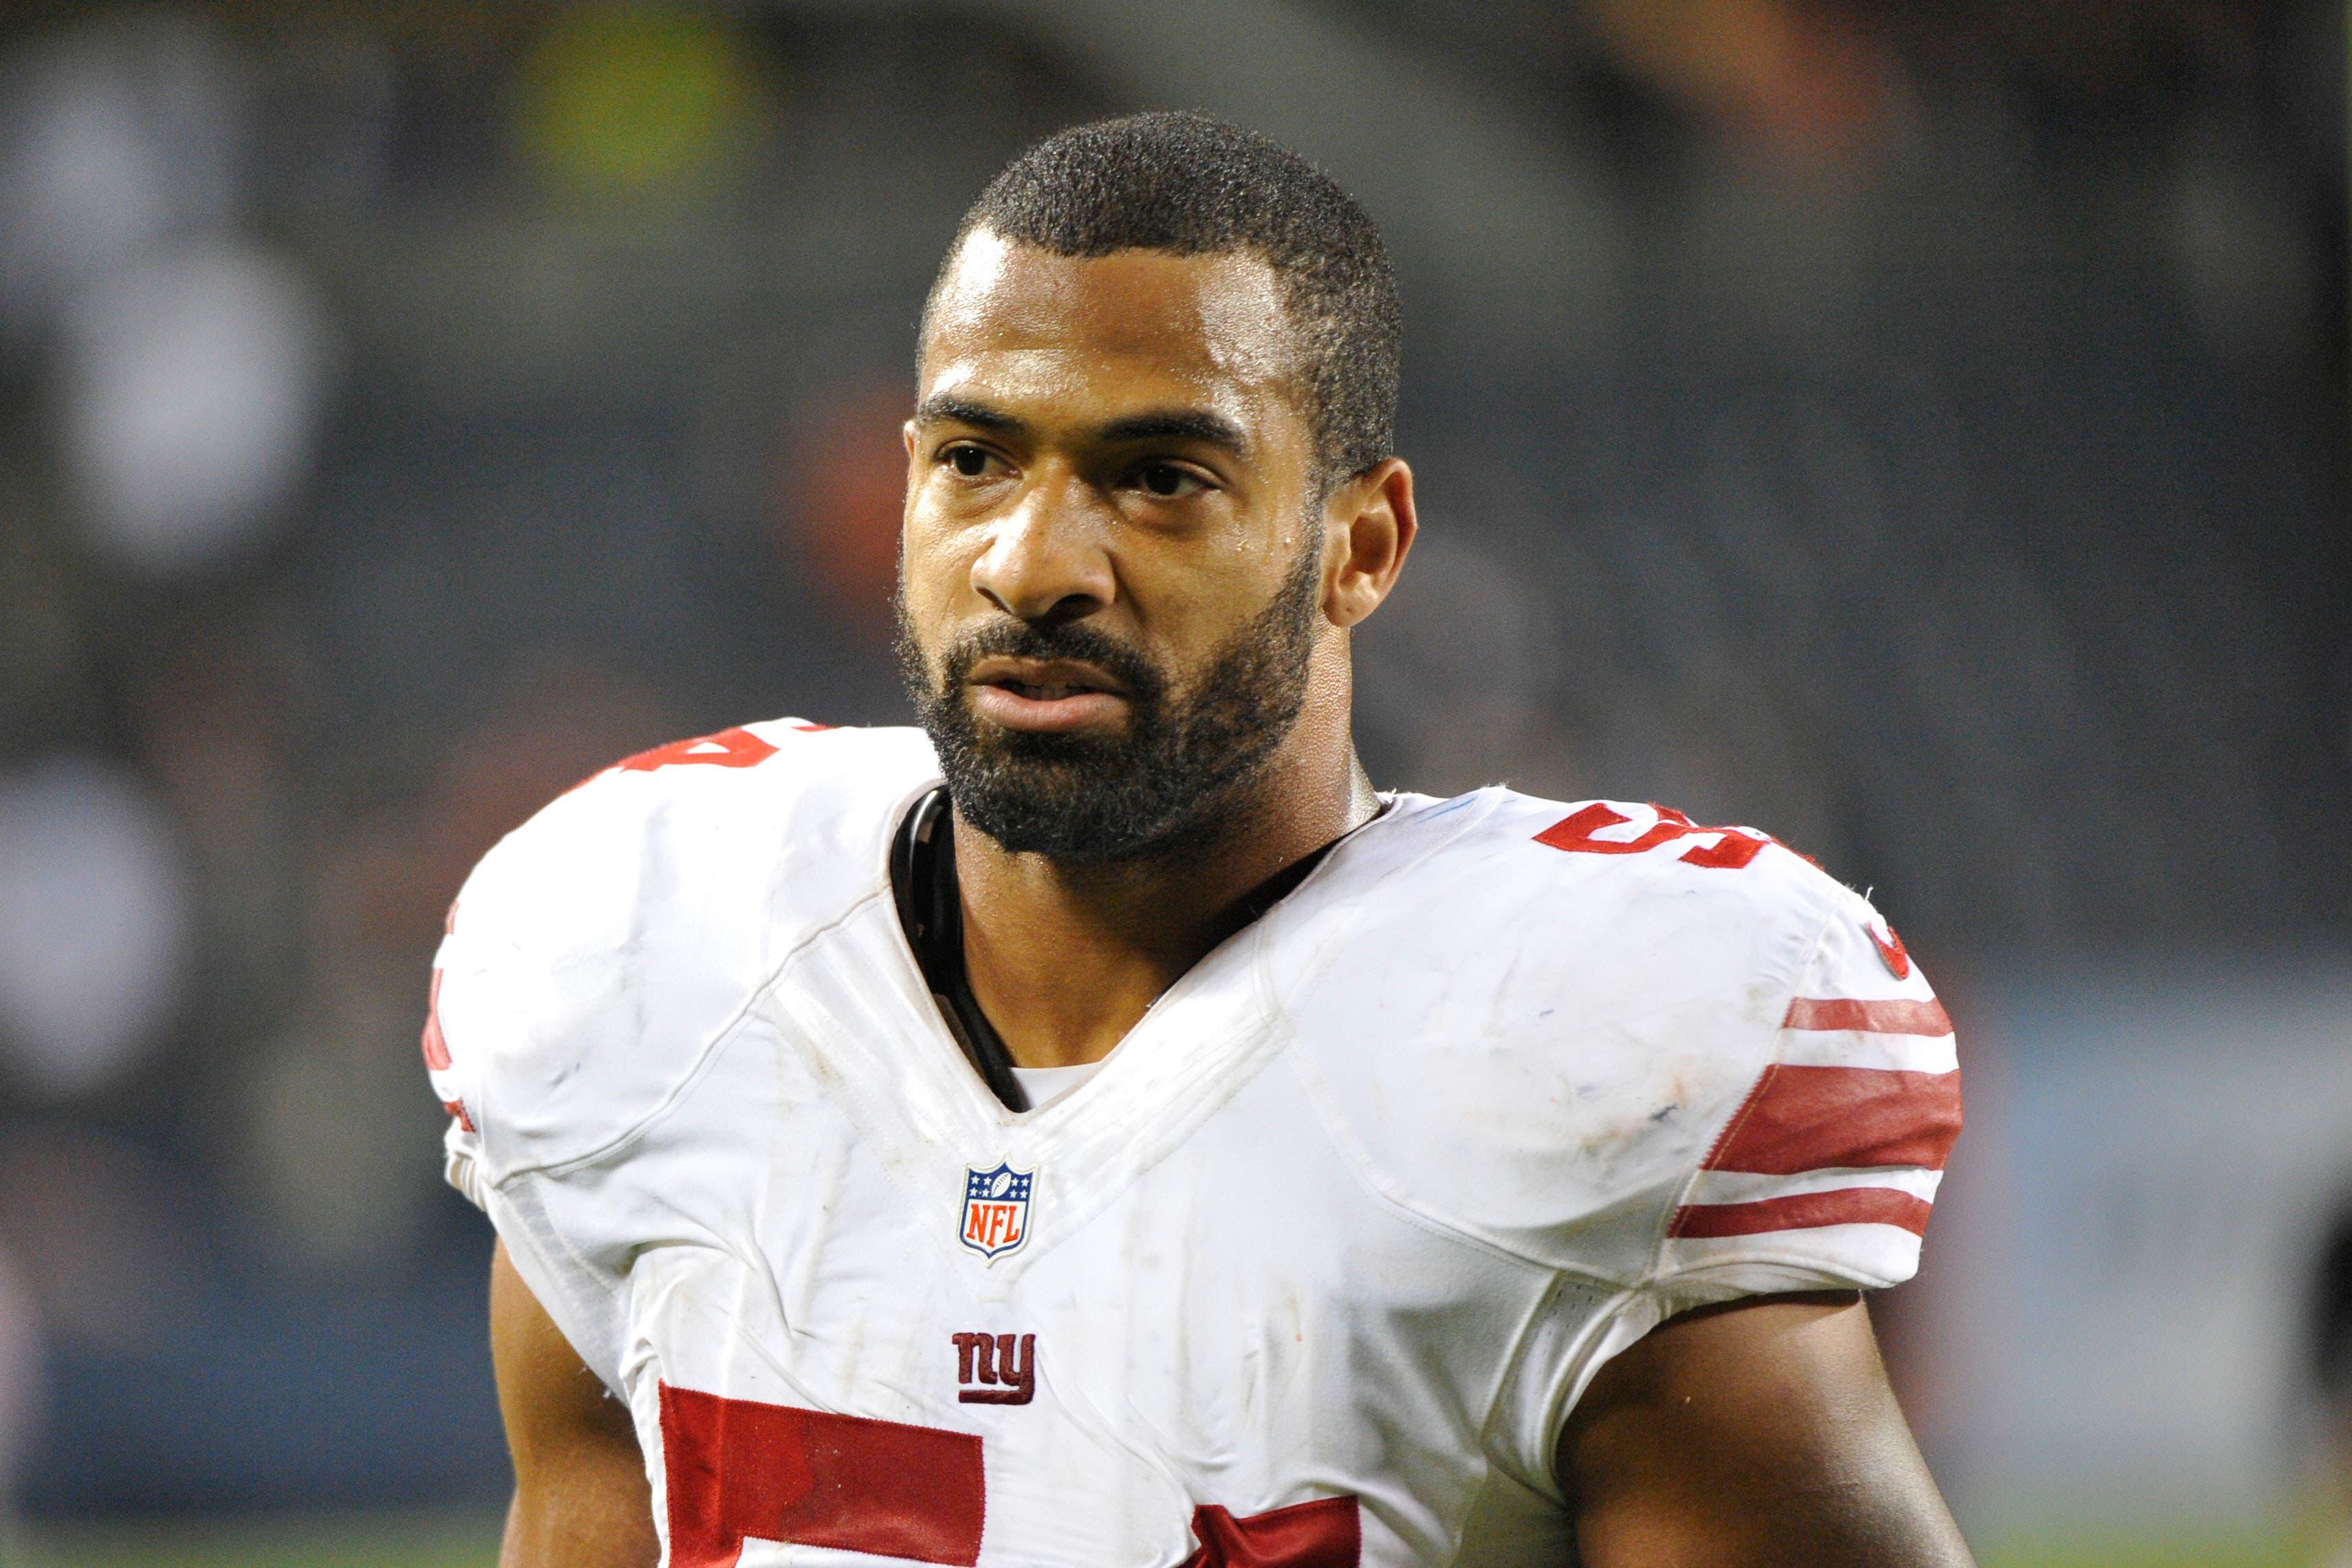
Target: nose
[[1045, 560]]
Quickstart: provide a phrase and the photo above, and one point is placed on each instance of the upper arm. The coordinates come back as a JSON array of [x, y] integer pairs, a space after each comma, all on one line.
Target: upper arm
[[582, 1499], [1750, 1435]]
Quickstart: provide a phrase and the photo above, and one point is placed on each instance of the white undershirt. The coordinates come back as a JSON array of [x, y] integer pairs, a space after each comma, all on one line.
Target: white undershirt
[[1045, 1085]]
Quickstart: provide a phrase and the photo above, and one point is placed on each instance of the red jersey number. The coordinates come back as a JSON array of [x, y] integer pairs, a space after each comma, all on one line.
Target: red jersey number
[[736, 748], [1733, 847]]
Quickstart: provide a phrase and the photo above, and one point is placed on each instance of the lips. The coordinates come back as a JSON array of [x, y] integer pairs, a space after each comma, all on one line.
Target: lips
[[1044, 679], [1037, 694], [1045, 697]]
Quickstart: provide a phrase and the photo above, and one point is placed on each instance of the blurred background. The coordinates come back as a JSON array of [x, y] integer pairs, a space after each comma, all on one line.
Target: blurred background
[[1916, 429]]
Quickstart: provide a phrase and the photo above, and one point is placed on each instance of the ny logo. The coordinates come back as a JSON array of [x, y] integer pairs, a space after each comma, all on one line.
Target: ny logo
[[1005, 1365]]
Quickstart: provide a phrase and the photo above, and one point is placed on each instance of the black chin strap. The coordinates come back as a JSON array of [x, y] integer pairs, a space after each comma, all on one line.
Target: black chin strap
[[930, 907]]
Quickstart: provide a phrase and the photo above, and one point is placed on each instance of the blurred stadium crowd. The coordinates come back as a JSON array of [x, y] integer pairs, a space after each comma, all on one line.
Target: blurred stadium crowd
[[1915, 430]]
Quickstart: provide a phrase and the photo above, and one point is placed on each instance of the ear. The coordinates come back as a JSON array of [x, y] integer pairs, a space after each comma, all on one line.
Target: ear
[[1368, 530]]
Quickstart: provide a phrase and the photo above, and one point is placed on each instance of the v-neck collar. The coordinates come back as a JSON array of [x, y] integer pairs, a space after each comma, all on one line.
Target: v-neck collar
[[1233, 953], [856, 999], [925, 878]]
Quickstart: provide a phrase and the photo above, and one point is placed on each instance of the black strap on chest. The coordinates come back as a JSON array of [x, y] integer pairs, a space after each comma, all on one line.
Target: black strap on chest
[[930, 907]]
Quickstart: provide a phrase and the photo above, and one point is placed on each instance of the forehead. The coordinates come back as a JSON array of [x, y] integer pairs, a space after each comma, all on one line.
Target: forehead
[[1022, 320]]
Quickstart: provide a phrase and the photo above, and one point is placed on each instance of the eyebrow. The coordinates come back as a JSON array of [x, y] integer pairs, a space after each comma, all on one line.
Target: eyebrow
[[1179, 425], [944, 407], [1170, 425]]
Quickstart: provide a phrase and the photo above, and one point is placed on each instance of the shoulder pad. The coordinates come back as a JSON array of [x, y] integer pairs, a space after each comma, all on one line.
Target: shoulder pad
[[1530, 1020], [596, 954]]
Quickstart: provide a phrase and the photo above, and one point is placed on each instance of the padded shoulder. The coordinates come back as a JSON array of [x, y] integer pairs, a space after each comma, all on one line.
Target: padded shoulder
[[1530, 1020], [597, 952]]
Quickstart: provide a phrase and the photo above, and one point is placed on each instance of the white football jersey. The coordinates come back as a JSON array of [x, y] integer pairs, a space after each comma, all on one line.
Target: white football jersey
[[1307, 1274]]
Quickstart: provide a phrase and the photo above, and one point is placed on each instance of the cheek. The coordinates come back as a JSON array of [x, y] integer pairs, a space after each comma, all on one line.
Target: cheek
[[933, 568], [1190, 617]]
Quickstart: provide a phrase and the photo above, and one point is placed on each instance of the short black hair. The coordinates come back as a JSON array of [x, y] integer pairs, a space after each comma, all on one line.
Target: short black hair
[[1191, 186]]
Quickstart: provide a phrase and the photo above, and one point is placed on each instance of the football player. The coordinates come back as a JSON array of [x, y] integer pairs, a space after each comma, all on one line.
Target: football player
[[1097, 1128]]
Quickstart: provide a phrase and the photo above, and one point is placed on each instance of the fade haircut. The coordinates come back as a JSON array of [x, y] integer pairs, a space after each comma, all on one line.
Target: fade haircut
[[1191, 186]]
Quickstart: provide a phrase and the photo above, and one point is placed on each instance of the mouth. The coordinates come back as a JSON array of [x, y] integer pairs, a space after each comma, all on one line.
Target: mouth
[[1045, 697]]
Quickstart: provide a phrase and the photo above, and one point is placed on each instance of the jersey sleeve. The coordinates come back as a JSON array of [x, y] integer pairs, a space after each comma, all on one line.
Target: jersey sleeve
[[1825, 1174], [1821, 1177], [599, 945], [528, 1024], [596, 960]]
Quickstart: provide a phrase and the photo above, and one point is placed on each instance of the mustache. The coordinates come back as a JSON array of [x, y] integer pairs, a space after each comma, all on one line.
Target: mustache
[[1072, 640]]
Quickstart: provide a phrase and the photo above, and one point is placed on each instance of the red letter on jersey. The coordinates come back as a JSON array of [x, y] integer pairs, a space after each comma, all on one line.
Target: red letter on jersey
[[736, 1468]]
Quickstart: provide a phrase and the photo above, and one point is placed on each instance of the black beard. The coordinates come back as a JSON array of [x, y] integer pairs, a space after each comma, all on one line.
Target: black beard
[[1143, 791]]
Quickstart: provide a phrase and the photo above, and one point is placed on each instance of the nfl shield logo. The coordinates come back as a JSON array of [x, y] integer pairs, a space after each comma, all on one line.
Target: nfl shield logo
[[995, 1210]]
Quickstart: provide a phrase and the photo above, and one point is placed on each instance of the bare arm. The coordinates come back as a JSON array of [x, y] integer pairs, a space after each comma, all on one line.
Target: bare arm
[[1753, 1435], [581, 1499]]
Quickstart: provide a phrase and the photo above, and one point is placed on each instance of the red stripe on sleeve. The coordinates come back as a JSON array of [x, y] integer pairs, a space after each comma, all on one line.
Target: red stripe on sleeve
[[1803, 1118], [436, 1046], [737, 1468], [1806, 1211], [1891, 1018]]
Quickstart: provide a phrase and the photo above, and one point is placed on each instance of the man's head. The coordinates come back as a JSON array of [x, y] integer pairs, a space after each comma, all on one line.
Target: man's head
[[1184, 185], [1150, 485]]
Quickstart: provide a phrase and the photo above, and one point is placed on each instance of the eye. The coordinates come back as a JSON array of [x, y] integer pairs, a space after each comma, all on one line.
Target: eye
[[1166, 481], [969, 461]]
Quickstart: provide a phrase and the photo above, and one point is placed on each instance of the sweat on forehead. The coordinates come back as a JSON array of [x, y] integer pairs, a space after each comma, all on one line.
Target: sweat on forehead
[[1222, 314]]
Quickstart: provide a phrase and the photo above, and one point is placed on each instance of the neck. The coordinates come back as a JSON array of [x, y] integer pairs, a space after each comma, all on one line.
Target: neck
[[1064, 958]]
